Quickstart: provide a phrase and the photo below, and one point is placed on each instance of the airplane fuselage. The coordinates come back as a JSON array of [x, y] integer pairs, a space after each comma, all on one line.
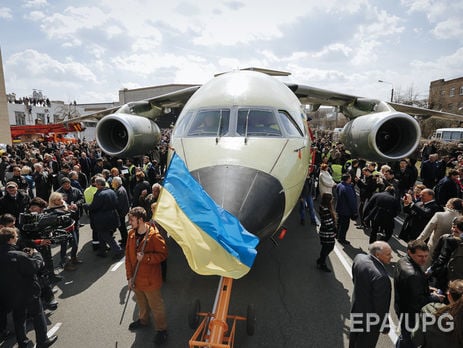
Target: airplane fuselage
[[243, 135]]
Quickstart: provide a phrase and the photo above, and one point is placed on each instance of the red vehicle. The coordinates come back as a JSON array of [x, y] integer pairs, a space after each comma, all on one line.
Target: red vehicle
[[56, 132]]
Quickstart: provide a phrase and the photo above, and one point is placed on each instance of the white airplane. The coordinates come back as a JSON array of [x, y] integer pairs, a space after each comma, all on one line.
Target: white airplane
[[243, 135]]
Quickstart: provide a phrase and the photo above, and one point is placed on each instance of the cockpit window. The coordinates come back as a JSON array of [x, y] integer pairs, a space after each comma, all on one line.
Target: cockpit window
[[210, 123], [181, 124], [291, 128], [259, 123]]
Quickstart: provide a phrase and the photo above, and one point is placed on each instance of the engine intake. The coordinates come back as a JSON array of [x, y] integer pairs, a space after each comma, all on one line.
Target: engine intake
[[383, 136], [124, 135]]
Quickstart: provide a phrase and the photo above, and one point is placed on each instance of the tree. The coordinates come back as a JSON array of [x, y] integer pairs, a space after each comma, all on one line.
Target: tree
[[410, 97]]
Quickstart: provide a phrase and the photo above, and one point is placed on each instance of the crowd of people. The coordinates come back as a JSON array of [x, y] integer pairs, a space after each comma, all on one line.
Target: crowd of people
[[429, 279], [64, 182], [47, 188]]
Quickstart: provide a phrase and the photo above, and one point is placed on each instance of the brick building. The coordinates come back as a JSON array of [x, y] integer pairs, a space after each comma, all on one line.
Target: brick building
[[446, 95]]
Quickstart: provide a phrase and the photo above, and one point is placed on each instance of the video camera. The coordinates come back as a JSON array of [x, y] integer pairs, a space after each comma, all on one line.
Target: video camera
[[52, 226]]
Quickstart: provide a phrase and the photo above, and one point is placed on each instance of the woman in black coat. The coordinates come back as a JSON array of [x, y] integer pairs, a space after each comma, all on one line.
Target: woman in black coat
[[141, 189]]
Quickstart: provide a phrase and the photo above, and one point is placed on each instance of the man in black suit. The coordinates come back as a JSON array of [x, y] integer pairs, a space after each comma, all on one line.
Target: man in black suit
[[372, 296], [411, 289], [105, 217], [419, 214], [405, 176], [429, 171], [14, 202], [20, 290], [447, 188], [381, 210]]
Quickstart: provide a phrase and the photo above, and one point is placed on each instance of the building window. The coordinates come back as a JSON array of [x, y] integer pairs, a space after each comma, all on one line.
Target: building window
[[452, 92], [461, 90], [56, 118], [442, 92], [20, 118]]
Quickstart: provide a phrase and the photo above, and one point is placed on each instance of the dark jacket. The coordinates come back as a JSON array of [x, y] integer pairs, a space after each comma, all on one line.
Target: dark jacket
[[367, 187], [137, 190], [18, 275], [22, 183], [445, 189], [446, 245], [346, 203], [14, 206], [418, 217], [104, 210], [411, 287], [429, 173], [73, 195], [42, 184], [405, 178], [372, 287], [382, 208], [123, 204]]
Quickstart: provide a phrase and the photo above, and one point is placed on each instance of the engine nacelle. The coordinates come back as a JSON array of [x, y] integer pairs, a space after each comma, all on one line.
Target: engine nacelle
[[124, 135], [383, 136]]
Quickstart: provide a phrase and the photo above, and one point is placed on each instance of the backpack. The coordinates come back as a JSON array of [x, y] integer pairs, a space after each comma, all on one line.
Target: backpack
[[455, 264]]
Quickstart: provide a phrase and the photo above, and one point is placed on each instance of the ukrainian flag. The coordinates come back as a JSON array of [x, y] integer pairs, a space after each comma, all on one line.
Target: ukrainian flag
[[213, 240]]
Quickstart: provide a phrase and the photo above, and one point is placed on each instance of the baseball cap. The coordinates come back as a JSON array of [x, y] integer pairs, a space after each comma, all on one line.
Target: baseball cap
[[11, 184]]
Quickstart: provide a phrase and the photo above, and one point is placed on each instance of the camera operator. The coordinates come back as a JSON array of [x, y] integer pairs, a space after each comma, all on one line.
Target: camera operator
[[49, 301], [35, 239], [19, 285]]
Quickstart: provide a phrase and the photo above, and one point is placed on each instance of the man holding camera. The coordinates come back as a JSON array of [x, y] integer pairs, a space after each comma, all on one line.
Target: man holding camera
[[36, 239], [20, 288]]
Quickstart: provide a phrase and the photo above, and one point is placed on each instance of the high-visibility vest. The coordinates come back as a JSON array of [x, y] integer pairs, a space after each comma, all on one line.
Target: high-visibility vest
[[337, 172]]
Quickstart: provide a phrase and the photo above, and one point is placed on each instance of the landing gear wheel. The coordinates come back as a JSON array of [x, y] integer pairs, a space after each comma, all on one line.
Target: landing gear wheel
[[251, 320], [193, 317]]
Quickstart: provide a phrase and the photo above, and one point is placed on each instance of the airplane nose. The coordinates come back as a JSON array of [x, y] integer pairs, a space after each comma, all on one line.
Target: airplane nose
[[254, 197]]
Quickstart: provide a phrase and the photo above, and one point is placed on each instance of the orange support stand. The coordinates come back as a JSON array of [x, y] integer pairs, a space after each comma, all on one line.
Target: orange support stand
[[213, 329]]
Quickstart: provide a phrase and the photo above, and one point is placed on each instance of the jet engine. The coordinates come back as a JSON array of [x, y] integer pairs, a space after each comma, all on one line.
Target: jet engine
[[125, 135], [383, 136]]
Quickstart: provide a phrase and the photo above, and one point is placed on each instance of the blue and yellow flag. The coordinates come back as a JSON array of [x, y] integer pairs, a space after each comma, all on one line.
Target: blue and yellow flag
[[213, 240]]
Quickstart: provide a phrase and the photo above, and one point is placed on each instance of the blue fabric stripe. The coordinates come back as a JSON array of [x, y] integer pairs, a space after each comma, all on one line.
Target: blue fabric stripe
[[201, 209]]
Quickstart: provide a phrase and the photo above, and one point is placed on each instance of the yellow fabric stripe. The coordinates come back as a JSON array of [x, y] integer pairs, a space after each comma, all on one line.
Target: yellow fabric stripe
[[204, 255]]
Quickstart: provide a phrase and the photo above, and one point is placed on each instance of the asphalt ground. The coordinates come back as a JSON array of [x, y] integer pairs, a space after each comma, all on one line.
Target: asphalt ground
[[296, 305]]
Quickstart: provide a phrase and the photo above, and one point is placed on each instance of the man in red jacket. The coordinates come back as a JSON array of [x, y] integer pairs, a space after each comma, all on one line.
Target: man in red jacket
[[147, 248]]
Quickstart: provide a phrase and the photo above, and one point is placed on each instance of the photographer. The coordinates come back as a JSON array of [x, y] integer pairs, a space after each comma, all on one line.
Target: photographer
[[30, 238], [19, 284], [35, 237]]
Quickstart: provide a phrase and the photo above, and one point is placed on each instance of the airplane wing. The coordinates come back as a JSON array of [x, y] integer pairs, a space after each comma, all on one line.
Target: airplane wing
[[354, 106], [377, 130], [152, 107], [425, 113], [351, 106]]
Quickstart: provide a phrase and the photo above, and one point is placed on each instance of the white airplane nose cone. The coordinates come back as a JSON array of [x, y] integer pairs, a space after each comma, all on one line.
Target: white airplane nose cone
[[254, 197]]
